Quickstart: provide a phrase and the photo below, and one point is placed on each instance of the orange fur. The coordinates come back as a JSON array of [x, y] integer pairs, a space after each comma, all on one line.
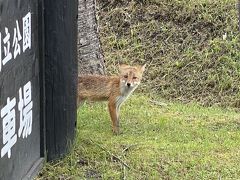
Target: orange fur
[[114, 89]]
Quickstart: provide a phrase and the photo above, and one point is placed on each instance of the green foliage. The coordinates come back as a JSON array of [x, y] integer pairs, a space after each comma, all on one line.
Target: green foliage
[[158, 141], [182, 44]]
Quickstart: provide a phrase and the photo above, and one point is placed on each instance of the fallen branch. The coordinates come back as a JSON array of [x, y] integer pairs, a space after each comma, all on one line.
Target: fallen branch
[[111, 154], [128, 147]]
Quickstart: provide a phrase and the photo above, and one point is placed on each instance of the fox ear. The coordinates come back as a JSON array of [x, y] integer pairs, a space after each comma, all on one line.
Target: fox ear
[[143, 68]]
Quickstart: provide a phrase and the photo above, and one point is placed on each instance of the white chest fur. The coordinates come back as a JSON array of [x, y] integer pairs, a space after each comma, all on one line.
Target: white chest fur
[[125, 93]]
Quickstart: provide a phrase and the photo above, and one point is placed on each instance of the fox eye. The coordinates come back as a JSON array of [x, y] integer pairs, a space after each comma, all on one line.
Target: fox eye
[[125, 76], [134, 77]]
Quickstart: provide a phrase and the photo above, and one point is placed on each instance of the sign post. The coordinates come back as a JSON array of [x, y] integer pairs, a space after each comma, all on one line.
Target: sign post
[[60, 75]]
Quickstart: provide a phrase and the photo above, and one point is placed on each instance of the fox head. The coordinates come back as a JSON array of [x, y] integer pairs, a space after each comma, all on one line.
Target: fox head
[[130, 76]]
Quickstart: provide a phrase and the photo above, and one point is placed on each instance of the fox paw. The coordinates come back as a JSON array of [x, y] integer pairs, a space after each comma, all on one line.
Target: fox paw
[[116, 132]]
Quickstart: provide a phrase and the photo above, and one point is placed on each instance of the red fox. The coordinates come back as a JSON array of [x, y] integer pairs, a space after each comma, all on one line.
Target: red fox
[[114, 89]]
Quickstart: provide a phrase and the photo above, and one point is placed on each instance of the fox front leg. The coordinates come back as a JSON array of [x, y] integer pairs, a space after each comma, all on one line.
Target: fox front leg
[[113, 110]]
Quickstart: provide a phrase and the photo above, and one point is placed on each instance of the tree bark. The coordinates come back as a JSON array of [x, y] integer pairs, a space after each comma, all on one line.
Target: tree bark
[[90, 57]]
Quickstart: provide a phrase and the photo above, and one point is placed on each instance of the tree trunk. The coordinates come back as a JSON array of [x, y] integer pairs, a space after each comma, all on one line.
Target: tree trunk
[[90, 57]]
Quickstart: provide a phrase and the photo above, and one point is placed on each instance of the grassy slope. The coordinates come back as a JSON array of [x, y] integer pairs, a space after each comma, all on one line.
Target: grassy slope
[[182, 44], [169, 142]]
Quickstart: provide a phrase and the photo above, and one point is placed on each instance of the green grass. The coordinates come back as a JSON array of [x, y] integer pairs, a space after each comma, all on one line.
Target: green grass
[[158, 141], [182, 44]]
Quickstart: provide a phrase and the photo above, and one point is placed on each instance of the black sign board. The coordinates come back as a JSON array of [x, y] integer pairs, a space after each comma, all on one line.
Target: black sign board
[[38, 83], [19, 88]]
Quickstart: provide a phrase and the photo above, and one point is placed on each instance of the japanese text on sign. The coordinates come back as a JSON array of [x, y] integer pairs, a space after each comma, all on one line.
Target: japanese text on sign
[[15, 111], [8, 116], [8, 50]]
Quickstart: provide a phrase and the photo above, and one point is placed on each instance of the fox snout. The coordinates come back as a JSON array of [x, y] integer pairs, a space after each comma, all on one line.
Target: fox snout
[[129, 84]]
